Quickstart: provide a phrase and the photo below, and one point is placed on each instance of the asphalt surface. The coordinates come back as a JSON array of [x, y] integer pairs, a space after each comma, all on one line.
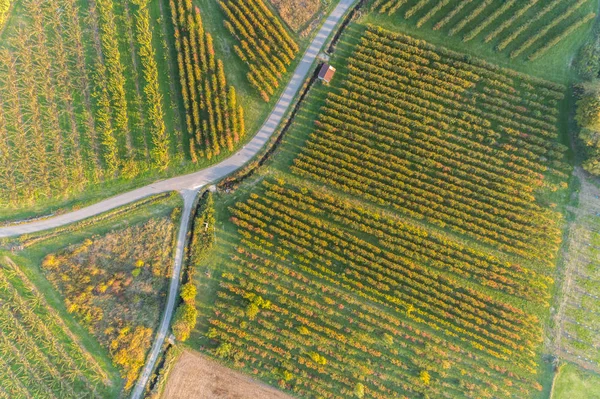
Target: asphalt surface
[[159, 340]]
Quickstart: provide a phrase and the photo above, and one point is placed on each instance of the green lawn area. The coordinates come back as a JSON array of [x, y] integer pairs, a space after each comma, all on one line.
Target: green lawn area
[[572, 382]]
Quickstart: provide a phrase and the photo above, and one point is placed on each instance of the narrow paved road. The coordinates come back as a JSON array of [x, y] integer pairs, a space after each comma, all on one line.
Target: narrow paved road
[[159, 340], [203, 177], [189, 185]]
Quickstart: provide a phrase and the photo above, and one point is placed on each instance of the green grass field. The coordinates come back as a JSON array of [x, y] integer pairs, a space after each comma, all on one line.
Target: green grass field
[[572, 382]]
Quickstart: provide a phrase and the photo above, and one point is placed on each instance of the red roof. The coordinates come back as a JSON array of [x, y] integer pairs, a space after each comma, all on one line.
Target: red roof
[[326, 72]]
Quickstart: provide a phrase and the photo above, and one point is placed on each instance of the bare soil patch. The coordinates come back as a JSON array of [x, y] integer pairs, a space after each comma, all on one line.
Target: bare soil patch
[[197, 377]]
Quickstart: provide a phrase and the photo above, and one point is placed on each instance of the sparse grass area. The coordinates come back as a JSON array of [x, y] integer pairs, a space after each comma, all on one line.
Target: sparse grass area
[[579, 315], [297, 14]]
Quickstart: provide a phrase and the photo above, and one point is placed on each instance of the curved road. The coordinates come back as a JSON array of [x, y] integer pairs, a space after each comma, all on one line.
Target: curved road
[[203, 177]]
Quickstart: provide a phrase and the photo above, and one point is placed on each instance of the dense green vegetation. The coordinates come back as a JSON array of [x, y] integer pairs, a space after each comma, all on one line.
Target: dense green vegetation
[[527, 28], [40, 356], [587, 114], [201, 241], [588, 119]]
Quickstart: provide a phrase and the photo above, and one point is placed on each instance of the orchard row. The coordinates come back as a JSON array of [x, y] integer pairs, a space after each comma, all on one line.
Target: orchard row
[[529, 27], [457, 154], [263, 43], [392, 296], [214, 119]]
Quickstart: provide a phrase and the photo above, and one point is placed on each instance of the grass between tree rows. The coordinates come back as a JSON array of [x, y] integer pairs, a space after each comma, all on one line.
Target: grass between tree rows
[[235, 295], [78, 122]]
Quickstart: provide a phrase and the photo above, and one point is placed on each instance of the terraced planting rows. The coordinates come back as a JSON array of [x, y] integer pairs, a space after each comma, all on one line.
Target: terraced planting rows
[[213, 118], [466, 144], [40, 357], [527, 28], [263, 43], [79, 87]]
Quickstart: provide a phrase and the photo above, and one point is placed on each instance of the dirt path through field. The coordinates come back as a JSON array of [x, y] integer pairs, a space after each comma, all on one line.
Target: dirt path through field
[[197, 377]]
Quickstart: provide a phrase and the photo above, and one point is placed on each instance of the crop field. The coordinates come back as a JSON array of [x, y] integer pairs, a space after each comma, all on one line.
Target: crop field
[[403, 244], [580, 312], [107, 92], [522, 28], [263, 43], [325, 295], [40, 357], [482, 136]]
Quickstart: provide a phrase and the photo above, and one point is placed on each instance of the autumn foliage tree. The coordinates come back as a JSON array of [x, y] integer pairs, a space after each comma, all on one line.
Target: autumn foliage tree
[[212, 111]]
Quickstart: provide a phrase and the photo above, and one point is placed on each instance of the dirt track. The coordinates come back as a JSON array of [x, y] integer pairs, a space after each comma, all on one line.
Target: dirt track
[[198, 377]]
